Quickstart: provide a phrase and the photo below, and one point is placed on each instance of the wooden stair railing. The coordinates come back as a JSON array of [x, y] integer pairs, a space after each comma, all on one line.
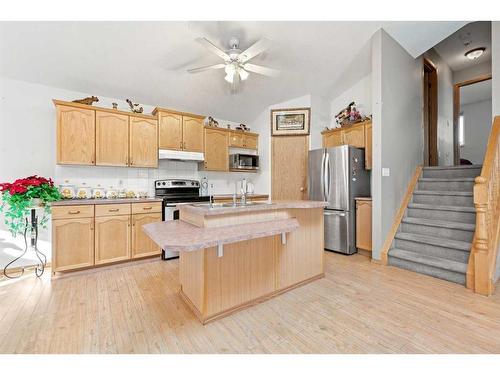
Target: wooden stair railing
[[484, 250]]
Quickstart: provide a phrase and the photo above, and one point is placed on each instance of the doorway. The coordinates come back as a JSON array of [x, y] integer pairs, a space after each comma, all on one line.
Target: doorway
[[430, 114], [289, 167], [471, 119]]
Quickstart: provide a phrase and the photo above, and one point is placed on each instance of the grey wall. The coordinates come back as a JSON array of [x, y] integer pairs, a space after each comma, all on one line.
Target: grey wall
[[477, 126], [445, 108], [397, 129], [495, 61]]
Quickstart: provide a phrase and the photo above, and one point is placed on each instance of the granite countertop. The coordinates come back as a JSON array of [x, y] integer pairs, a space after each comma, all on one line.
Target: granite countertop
[[178, 235], [238, 196], [217, 209], [76, 202]]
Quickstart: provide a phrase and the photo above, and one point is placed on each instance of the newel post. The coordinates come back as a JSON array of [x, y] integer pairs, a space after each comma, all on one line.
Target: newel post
[[481, 257]]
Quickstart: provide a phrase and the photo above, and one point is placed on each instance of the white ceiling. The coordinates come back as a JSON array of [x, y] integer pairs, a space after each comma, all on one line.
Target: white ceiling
[[476, 92], [147, 61], [452, 49]]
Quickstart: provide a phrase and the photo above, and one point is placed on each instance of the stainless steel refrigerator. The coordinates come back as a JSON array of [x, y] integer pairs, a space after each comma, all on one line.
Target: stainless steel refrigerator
[[337, 175]]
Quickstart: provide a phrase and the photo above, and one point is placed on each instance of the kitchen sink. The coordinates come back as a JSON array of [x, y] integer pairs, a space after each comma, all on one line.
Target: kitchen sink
[[229, 204]]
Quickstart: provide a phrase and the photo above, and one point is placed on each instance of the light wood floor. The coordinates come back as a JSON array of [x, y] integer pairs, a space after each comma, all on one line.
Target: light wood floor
[[359, 307]]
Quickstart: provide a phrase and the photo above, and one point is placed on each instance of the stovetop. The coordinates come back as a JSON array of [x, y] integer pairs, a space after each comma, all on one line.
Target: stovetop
[[179, 191]]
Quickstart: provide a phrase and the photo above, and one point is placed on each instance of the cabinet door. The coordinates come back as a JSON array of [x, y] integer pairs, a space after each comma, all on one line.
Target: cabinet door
[[332, 139], [364, 225], [368, 146], [72, 244], [112, 239], [143, 142], [192, 134], [354, 136], [142, 245], [216, 150], [111, 139], [251, 141], [75, 136], [236, 140], [170, 131]]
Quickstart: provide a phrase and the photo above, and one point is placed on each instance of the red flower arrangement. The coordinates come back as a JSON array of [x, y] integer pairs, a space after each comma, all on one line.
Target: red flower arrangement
[[20, 195]]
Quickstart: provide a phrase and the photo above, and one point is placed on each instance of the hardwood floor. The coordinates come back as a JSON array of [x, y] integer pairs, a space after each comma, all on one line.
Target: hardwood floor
[[359, 307]]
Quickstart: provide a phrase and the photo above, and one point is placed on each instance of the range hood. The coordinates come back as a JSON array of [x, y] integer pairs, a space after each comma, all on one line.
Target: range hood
[[181, 155]]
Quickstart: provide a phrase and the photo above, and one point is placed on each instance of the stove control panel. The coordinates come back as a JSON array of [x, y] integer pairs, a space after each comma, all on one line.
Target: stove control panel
[[171, 183]]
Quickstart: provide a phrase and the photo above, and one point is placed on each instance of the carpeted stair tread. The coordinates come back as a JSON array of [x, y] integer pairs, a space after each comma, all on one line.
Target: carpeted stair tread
[[435, 241], [451, 179], [427, 260], [455, 167], [424, 206], [440, 223], [442, 192]]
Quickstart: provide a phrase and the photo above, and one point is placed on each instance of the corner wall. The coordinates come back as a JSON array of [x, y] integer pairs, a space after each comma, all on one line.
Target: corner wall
[[397, 129], [495, 62]]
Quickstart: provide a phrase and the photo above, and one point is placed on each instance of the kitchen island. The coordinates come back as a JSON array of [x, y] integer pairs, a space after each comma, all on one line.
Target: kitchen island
[[233, 257]]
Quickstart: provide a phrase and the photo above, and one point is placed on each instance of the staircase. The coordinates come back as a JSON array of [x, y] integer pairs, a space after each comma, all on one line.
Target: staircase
[[436, 232]]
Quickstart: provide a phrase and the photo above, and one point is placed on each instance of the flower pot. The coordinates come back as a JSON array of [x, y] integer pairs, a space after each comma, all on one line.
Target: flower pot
[[36, 203]]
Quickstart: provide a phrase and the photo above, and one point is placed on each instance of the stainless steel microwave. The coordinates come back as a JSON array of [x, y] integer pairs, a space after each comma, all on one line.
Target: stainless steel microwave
[[243, 161]]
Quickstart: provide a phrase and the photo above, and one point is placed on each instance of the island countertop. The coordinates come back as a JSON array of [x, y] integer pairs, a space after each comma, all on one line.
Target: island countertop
[[223, 209]]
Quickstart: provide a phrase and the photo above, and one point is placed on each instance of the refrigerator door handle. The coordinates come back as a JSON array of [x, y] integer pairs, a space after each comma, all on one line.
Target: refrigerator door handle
[[323, 176], [327, 177], [334, 213]]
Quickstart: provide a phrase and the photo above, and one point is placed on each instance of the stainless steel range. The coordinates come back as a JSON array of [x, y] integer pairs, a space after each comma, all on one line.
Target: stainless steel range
[[175, 192]]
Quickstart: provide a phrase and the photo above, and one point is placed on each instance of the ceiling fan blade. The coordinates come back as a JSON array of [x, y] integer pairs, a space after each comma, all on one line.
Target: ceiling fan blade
[[213, 48], [209, 67], [259, 69], [256, 48]]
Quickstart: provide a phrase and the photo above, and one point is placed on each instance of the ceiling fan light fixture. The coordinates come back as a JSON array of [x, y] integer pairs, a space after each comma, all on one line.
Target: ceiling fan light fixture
[[229, 77], [243, 74], [475, 53]]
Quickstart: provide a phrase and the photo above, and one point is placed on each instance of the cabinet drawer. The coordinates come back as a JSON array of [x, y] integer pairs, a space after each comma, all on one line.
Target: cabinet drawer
[[146, 208], [71, 212], [112, 209]]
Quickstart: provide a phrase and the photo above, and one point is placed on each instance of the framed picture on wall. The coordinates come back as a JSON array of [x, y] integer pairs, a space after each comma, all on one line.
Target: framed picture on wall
[[290, 121]]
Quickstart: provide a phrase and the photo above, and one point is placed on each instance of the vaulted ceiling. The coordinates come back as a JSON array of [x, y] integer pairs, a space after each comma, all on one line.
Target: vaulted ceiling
[[147, 61]]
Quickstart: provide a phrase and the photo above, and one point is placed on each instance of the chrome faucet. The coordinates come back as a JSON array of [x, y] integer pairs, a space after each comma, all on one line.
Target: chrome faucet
[[211, 200], [244, 192]]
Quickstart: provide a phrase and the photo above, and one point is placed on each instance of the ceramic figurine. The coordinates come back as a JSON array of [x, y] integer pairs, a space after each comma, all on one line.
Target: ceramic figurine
[[134, 107], [88, 101], [115, 105]]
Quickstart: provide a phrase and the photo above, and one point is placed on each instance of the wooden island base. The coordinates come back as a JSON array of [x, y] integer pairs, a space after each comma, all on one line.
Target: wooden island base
[[251, 271]]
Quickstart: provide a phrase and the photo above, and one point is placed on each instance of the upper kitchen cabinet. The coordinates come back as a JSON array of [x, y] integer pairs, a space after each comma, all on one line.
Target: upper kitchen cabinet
[[357, 135], [243, 140], [180, 131], [112, 139], [90, 135], [75, 135], [143, 142], [216, 150]]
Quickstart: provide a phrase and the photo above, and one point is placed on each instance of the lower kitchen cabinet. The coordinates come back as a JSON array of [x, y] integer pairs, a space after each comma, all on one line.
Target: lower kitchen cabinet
[[142, 245], [112, 239], [72, 244], [364, 224]]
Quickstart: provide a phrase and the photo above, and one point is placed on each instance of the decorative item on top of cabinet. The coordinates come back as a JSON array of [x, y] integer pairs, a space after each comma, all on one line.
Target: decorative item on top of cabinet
[[216, 150], [87, 101], [134, 107], [364, 225]]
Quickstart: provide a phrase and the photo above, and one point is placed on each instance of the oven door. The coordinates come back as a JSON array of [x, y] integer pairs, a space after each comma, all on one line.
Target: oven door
[[170, 212]]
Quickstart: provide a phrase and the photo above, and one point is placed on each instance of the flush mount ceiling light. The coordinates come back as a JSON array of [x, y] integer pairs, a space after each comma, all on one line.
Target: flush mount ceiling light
[[474, 54], [236, 62]]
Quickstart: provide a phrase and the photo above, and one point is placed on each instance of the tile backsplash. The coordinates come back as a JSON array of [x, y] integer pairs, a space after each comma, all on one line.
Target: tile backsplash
[[143, 178]]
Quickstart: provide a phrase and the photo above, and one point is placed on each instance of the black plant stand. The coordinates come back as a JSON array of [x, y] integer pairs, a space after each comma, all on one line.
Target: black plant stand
[[40, 267]]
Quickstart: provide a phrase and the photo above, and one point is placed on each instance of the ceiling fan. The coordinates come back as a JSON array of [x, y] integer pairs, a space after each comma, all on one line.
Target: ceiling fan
[[236, 62]]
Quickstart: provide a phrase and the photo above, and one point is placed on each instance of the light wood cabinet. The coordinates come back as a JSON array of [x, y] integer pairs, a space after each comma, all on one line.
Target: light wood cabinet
[[143, 142], [243, 140], [112, 139], [112, 239], [75, 135], [364, 224], [250, 141], [142, 245], [72, 244], [236, 139], [368, 145], [357, 135], [170, 128], [216, 150], [192, 134]]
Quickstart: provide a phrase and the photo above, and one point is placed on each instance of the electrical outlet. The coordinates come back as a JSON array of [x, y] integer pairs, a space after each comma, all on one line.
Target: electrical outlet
[[386, 172]]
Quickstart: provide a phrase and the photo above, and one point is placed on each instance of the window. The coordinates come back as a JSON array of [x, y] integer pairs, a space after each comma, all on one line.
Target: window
[[461, 141]]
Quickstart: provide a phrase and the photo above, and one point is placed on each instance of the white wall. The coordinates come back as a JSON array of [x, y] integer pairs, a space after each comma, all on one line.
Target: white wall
[[477, 126], [445, 108], [495, 61], [397, 129]]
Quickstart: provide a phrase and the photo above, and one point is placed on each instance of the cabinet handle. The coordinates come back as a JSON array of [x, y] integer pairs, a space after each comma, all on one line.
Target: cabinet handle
[[147, 208], [74, 212], [114, 210], [184, 143], [181, 145]]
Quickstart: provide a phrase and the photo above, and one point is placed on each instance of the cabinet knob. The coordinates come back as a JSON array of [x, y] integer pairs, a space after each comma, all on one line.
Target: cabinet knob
[[302, 189]]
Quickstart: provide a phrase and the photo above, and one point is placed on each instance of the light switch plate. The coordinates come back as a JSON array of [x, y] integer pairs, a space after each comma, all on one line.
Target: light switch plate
[[386, 172]]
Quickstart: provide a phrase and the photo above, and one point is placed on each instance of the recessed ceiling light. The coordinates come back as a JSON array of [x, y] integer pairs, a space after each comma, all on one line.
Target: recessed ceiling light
[[475, 53]]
